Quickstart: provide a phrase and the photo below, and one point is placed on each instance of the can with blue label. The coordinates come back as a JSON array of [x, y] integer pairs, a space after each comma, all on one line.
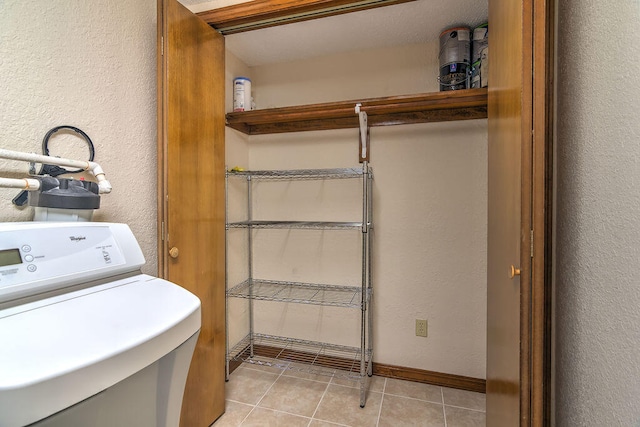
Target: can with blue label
[[455, 58]]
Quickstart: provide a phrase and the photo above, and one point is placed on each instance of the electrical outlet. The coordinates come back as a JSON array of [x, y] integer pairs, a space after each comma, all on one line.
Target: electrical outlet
[[421, 328]]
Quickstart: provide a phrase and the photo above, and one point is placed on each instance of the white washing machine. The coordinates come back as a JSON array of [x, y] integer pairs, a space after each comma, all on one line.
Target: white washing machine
[[85, 338]]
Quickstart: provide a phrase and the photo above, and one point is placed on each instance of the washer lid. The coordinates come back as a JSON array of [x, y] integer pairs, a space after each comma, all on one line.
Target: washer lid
[[61, 350]]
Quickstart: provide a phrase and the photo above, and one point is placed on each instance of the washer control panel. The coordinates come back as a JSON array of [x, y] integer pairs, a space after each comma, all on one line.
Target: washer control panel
[[43, 256]]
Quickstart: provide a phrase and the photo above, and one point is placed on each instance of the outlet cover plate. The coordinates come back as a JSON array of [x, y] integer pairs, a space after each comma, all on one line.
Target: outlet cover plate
[[421, 327]]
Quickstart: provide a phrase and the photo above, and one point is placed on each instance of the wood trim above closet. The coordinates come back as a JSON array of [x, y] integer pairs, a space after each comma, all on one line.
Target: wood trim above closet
[[258, 14], [395, 110]]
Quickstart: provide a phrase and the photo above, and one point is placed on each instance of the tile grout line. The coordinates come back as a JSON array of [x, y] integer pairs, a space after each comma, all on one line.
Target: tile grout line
[[260, 400], [444, 410], [384, 387], [283, 374], [281, 412], [247, 416], [270, 387], [467, 409], [248, 413], [416, 398], [285, 412], [319, 403]]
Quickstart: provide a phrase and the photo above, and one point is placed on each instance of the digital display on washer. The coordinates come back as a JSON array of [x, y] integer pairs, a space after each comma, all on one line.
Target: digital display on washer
[[10, 257]]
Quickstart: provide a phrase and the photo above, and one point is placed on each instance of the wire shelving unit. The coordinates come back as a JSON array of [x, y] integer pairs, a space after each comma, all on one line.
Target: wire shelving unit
[[322, 358]]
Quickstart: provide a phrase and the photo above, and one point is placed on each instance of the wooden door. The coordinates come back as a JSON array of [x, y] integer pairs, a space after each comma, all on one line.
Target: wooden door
[[518, 339], [191, 191]]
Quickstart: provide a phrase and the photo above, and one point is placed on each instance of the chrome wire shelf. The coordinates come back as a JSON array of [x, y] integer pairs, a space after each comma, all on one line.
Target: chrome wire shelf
[[301, 174], [312, 225], [298, 292], [301, 355]]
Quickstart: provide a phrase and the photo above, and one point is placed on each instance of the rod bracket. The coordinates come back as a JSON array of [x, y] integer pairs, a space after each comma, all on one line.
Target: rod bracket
[[363, 139]]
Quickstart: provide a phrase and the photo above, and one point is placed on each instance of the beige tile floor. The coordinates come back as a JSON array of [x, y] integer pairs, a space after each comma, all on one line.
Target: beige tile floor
[[265, 397]]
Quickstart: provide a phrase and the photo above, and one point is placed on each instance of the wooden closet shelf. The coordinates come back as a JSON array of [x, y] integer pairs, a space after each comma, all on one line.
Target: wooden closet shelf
[[395, 110]]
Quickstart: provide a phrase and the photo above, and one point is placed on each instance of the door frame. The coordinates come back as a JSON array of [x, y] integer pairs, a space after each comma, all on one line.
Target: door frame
[[538, 101], [536, 237], [537, 209], [161, 145], [543, 100]]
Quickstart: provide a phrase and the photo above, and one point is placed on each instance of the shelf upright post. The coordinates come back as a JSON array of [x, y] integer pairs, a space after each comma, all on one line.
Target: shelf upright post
[[226, 271], [363, 303], [250, 260], [369, 273]]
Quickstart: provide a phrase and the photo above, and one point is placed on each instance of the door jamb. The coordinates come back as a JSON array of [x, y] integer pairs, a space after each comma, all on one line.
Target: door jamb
[[542, 189]]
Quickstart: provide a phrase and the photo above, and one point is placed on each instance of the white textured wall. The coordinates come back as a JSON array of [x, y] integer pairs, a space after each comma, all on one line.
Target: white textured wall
[[398, 70], [598, 214], [91, 65], [430, 213]]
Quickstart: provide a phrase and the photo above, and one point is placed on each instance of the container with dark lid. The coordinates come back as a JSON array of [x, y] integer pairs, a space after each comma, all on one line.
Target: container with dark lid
[[62, 199]]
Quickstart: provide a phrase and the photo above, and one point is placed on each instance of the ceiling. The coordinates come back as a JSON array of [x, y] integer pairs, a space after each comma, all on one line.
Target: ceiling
[[406, 23]]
